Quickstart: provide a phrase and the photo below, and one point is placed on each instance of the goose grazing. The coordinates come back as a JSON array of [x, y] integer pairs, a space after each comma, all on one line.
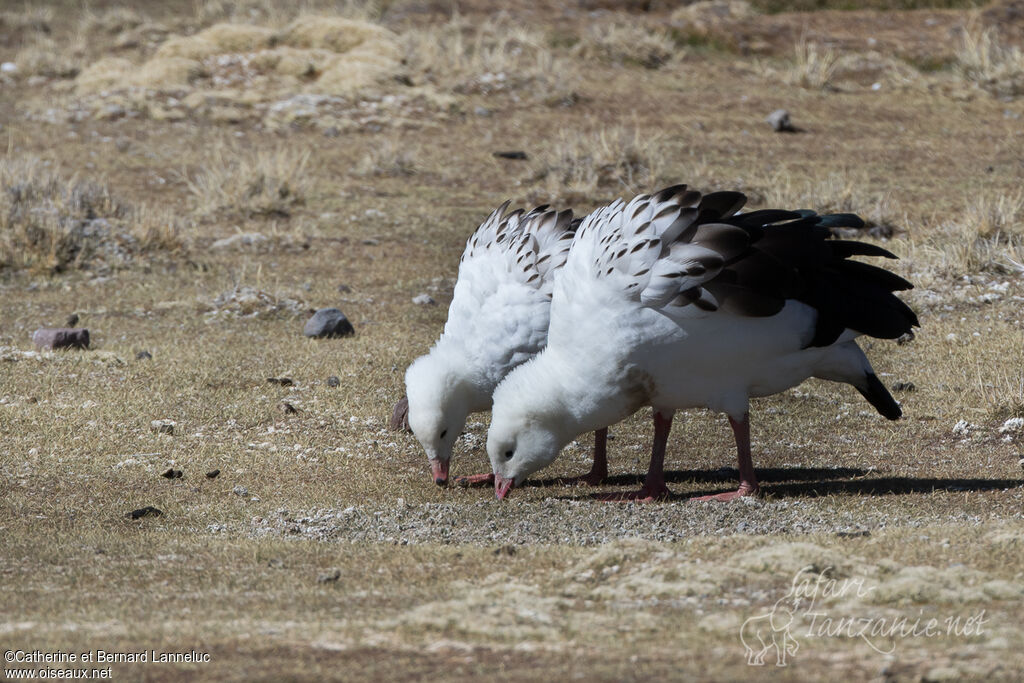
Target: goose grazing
[[674, 301], [497, 320]]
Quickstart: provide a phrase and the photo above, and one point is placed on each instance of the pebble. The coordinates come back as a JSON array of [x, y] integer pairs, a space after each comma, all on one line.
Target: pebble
[[240, 491], [212, 474], [333, 381], [172, 473], [780, 121], [61, 338], [9, 68], [143, 355], [163, 426], [283, 381], [328, 323], [424, 300]]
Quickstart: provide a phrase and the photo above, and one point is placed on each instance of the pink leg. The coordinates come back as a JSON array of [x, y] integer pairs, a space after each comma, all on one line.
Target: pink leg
[[654, 485], [599, 470], [748, 481]]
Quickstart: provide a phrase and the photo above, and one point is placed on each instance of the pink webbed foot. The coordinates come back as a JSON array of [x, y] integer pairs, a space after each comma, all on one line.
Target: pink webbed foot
[[743, 491], [475, 480]]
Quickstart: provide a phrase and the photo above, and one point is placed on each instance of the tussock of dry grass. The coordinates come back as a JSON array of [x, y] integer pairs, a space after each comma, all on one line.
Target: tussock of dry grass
[[52, 224], [579, 164], [245, 182], [987, 236], [629, 43], [329, 55], [492, 56], [812, 67], [984, 59], [50, 59], [389, 158]]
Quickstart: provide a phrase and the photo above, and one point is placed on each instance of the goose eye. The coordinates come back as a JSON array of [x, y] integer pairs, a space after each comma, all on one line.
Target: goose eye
[[444, 433], [509, 454]]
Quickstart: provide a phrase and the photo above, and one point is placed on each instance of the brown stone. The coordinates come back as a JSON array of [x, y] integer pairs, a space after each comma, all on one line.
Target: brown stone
[[61, 338]]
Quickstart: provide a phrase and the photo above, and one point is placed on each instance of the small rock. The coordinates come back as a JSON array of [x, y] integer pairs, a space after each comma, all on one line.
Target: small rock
[[212, 474], [482, 111], [962, 428], [61, 338], [172, 473], [333, 381], [1013, 425], [72, 320], [904, 386], [780, 121], [283, 381], [513, 154], [424, 300], [508, 550], [329, 576], [148, 511], [9, 68], [332, 132], [122, 144], [143, 355], [163, 426], [240, 491], [905, 338], [287, 408], [328, 322], [400, 416], [863, 533], [371, 242], [344, 289]]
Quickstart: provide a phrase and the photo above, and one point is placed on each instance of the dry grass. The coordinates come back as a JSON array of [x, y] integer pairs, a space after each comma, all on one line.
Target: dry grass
[[389, 157], [577, 165], [51, 224], [813, 66], [986, 236], [47, 58], [983, 59], [489, 57], [628, 43], [243, 182]]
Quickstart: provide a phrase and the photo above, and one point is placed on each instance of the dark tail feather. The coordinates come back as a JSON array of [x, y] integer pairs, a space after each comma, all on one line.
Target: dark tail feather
[[878, 396]]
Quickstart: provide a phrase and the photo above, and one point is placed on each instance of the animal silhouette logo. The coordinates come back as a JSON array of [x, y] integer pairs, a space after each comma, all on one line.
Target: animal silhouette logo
[[772, 631]]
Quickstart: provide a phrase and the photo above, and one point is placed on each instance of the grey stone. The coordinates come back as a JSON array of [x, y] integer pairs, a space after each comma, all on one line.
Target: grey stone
[[240, 491], [163, 426], [61, 338], [780, 121], [143, 355], [328, 322], [424, 300], [333, 381]]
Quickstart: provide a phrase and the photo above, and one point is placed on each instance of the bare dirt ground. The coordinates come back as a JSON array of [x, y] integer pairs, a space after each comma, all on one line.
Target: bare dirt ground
[[191, 180]]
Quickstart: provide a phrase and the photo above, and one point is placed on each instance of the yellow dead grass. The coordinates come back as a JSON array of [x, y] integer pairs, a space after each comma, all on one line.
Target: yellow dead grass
[[334, 55]]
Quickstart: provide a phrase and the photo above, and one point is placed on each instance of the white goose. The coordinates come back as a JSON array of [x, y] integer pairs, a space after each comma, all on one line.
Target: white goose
[[498, 319], [663, 302]]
